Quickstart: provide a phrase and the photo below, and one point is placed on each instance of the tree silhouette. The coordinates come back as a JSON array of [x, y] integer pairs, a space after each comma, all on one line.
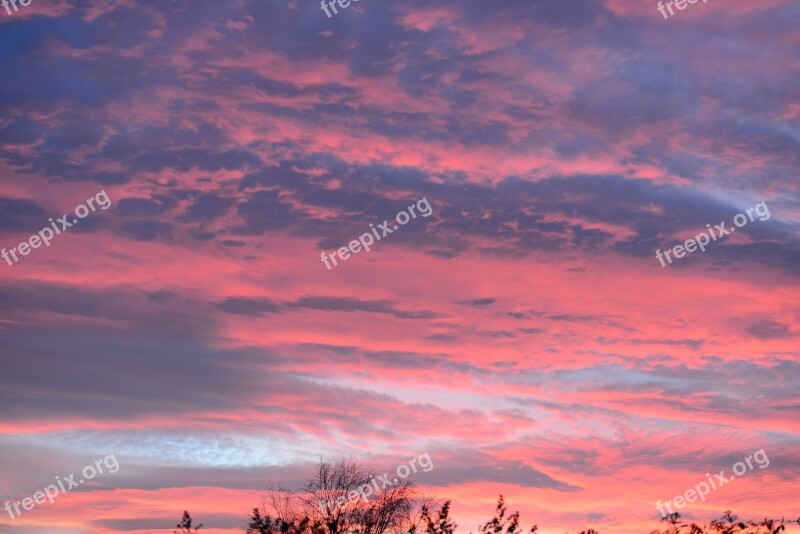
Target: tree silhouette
[[335, 501], [264, 524], [500, 521], [727, 524], [186, 525], [441, 524]]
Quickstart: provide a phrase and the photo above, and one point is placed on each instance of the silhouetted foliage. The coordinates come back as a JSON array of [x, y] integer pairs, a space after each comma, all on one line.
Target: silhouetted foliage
[[264, 524], [441, 524], [324, 505], [500, 522], [727, 524], [186, 525]]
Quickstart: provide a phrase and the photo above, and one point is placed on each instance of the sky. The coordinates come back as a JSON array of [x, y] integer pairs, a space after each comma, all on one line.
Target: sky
[[201, 162]]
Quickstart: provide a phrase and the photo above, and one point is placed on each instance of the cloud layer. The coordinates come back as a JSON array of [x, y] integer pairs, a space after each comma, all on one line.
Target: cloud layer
[[524, 334]]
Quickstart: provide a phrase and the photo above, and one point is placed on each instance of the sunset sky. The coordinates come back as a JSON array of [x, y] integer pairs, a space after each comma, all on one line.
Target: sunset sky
[[523, 334]]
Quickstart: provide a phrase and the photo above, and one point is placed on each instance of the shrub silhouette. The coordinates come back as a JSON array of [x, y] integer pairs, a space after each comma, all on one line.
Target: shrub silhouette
[[500, 522], [186, 525], [441, 524], [437, 521], [319, 508], [323, 505], [727, 524], [264, 524]]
